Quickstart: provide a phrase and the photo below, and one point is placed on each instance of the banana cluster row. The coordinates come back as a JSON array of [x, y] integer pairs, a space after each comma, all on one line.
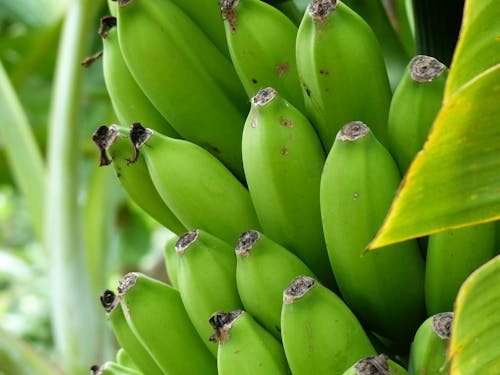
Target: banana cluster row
[[273, 152]]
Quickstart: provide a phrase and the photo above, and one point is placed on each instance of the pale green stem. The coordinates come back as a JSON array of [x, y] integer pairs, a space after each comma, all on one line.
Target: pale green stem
[[77, 320], [23, 155]]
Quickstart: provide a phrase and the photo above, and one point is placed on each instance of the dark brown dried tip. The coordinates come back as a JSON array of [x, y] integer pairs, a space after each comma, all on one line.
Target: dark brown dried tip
[[127, 282], [353, 131], [425, 68], [298, 288], [106, 24], [95, 370], [264, 96], [246, 242], [88, 61], [228, 11], [373, 365], [109, 300], [186, 240], [221, 322], [138, 136], [104, 137], [320, 9], [441, 324]]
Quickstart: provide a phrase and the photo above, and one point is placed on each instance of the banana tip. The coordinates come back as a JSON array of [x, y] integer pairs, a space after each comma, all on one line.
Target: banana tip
[[353, 131], [185, 240], [221, 322], [127, 282], [441, 324], [298, 288], [425, 68], [372, 365], [246, 242]]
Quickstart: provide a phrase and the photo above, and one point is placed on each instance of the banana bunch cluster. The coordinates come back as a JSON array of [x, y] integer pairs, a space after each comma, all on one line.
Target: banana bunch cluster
[[273, 150]]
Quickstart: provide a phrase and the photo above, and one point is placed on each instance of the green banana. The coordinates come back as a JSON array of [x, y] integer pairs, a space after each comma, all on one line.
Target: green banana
[[191, 83], [320, 333], [261, 42], [263, 270], [206, 264], [384, 288], [113, 368], [124, 359], [128, 101], [245, 347], [376, 365], [198, 188], [395, 56], [342, 71], [155, 313], [451, 257], [414, 106], [283, 161], [429, 347], [125, 337], [134, 178], [171, 260]]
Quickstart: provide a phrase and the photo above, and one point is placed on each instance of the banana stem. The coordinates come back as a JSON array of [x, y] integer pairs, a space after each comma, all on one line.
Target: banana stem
[[77, 321]]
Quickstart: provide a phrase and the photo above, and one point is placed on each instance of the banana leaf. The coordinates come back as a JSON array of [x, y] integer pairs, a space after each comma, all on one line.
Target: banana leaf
[[474, 343], [455, 180]]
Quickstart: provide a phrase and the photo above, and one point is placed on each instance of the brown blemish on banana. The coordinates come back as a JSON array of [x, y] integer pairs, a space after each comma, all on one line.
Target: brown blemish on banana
[[284, 151], [221, 322], [353, 131], [186, 240], [282, 69], [324, 72], [246, 242], [228, 11], [104, 137], [293, 137], [373, 365], [298, 288], [254, 81], [425, 68], [264, 96], [441, 324], [127, 282], [138, 137], [286, 122]]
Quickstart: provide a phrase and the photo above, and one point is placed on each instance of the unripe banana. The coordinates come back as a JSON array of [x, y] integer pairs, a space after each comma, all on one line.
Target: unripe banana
[[376, 365], [155, 313], [196, 186], [126, 337], [414, 106], [113, 368], [124, 359], [320, 333], [263, 270], [261, 42], [283, 161], [191, 83], [245, 347], [342, 71], [384, 288], [451, 257], [129, 102], [206, 279], [171, 260], [428, 351], [134, 178]]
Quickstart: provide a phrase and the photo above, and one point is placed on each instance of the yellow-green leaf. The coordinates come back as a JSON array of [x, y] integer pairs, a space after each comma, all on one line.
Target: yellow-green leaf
[[474, 344]]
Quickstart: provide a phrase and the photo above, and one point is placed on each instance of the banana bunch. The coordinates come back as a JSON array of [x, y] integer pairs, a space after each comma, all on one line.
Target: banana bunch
[[271, 147]]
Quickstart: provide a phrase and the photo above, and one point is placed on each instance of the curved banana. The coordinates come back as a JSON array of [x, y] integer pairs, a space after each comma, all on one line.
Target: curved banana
[[196, 186], [376, 365], [191, 83], [113, 368], [283, 160], [128, 101], [451, 257], [320, 333], [126, 337], [206, 264], [428, 351], [134, 178], [171, 260], [342, 71], [155, 313], [245, 347], [414, 106], [384, 288], [261, 42], [263, 271]]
